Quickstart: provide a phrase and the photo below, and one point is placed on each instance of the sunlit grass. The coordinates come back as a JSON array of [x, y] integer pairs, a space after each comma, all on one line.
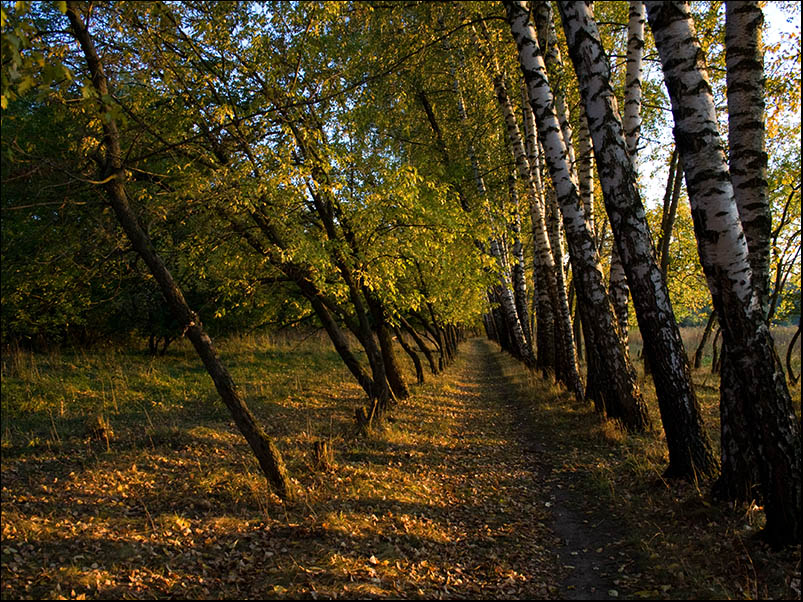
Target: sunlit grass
[[173, 504]]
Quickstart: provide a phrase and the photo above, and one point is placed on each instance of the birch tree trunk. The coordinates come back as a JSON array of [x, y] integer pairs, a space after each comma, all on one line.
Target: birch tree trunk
[[773, 432], [517, 269], [622, 398], [690, 450], [515, 330], [544, 247], [546, 330], [585, 169], [747, 164], [747, 157], [617, 283], [266, 452], [547, 38], [631, 120], [748, 169]]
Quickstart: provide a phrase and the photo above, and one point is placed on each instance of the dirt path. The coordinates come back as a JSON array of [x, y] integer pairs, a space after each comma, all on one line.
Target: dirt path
[[495, 516], [458, 496], [567, 534]]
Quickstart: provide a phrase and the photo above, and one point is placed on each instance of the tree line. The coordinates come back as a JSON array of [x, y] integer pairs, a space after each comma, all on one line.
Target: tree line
[[396, 173]]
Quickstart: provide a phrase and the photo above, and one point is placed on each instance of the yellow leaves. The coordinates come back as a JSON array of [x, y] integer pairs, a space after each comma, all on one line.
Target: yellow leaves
[[223, 114]]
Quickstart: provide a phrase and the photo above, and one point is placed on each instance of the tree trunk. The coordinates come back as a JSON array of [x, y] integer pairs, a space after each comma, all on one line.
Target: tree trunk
[[303, 278], [790, 373], [326, 208], [631, 122], [709, 326], [747, 157], [754, 379], [266, 452], [515, 331], [517, 269], [690, 450], [422, 345], [747, 163], [544, 247], [392, 368], [620, 293], [622, 398], [419, 370], [585, 170], [715, 360], [544, 313], [671, 199]]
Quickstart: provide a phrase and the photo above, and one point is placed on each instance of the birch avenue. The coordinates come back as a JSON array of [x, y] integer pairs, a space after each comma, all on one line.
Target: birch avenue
[[622, 397]]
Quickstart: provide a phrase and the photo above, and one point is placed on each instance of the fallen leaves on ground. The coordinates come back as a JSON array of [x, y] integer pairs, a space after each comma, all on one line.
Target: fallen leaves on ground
[[456, 496]]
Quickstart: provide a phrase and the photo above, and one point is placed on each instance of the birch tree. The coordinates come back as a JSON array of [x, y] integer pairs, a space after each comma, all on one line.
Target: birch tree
[[631, 121], [747, 163], [690, 451], [773, 432], [622, 398], [544, 244]]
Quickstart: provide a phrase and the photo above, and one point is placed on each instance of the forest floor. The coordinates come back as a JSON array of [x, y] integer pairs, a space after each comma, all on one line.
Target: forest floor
[[487, 483]]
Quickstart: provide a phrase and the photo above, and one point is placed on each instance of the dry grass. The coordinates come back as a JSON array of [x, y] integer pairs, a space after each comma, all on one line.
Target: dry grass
[[440, 502]]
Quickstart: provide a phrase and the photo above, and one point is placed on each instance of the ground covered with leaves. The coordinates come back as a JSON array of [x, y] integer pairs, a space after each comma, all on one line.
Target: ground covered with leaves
[[487, 483]]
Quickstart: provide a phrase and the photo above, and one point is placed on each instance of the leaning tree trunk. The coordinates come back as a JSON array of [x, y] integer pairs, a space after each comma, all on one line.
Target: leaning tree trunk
[[756, 380], [268, 455], [622, 397], [631, 121], [690, 450], [545, 316], [515, 331], [422, 345], [419, 369], [302, 276], [517, 269], [709, 327], [747, 157], [671, 199], [544, 247], [547, 38], [326, 207], [747, 163], [585, 169], [792, 378]]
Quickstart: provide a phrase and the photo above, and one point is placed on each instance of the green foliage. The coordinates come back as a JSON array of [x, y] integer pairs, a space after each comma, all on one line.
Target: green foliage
[[214, 102]]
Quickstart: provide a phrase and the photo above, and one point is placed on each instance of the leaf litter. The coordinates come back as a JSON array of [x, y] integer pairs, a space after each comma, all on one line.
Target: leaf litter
[[458, 495]]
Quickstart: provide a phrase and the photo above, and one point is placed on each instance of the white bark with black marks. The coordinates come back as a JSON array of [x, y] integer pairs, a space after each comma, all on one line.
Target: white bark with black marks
[[690, 451], [622, 398], [754, 376], [744, 60]]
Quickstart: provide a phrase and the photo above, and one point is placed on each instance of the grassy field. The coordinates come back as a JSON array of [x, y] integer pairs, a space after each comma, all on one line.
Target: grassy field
[[115, 461]]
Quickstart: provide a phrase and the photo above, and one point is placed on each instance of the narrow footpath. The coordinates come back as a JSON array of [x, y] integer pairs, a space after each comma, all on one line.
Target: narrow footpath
[[463, 492], [490, 513]]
